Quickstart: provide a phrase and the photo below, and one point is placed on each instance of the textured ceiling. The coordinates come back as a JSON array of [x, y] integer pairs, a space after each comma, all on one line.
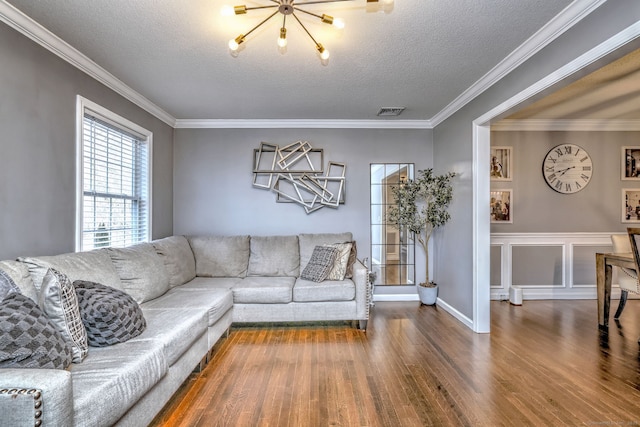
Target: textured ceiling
[[420, 54], [610, 93]]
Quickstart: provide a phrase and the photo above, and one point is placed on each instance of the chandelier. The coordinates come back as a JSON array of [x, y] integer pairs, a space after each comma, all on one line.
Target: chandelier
[[288, 8]]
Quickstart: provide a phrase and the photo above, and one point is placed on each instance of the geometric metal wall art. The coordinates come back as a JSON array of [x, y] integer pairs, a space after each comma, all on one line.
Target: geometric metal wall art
[[296, 174]]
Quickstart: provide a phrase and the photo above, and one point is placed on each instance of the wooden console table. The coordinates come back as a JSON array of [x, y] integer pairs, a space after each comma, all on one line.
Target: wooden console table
[[604, 264]]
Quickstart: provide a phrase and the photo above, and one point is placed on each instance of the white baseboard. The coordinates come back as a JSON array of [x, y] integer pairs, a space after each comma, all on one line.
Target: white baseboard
[[455, 313], [395, 297], [414, 297], [560, 294]]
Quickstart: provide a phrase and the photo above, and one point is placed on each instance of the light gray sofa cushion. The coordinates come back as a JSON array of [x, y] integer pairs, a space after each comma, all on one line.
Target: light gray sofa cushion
[[112, 379], [274, 256], [176, 329], [19, 273], [220, 256], [309, 241], [178, 259], [92, 266], [329, 290], [204, 283], [216, 301], [264, 290], [141, 271]]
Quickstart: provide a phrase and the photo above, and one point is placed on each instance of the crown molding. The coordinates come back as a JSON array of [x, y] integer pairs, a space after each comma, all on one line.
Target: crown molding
[[301, 124], [553, 29], [571, 15], [591, 125], [45, 38]]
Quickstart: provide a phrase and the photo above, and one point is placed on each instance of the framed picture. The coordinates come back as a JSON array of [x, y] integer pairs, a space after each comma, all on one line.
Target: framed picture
[[502, 206], [631, 205], [630, 163], [501, 164]]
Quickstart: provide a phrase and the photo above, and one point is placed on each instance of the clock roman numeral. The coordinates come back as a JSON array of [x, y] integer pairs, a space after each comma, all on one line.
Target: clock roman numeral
[[578, 186], [559, 185], [548, 168], [559, 151], [551, 178], [584, 177], [584, 158], [567, 149], [567, 187], [586, 168]]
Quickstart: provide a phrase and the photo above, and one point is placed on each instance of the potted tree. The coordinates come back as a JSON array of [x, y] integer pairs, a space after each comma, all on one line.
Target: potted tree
[[421, 207]]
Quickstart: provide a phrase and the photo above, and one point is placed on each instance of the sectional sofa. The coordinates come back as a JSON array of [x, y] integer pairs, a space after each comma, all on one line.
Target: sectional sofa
[[190, 291]]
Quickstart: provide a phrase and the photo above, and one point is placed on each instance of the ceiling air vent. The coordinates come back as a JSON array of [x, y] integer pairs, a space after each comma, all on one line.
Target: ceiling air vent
[[395, 111]]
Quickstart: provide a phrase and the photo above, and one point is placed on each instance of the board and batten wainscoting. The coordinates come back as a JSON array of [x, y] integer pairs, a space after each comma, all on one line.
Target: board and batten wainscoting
[[548, 265]]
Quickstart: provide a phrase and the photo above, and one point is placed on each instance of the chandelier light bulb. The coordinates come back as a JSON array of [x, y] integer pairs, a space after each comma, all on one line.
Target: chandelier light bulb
[[386, 2], [227, 11], [338, 23], [282, 40], [324, 53]]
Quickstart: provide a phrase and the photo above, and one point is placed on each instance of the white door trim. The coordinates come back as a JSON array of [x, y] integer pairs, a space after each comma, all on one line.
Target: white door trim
[[481, 182]]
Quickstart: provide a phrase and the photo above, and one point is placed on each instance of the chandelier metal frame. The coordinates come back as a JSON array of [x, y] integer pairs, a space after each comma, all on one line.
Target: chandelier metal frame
[[287, 8]]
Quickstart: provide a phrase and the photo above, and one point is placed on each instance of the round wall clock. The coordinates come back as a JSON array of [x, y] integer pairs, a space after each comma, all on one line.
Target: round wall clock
[[567, 168]]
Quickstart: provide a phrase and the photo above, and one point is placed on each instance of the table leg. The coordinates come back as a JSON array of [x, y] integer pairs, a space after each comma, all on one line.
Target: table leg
[[603, 285]]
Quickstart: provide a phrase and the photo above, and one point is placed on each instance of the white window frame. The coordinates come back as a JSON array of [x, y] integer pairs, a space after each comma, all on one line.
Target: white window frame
[[83, 106]]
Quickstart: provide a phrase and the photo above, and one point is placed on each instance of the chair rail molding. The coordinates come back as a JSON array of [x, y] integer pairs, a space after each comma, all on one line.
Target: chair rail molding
[[571, 264]]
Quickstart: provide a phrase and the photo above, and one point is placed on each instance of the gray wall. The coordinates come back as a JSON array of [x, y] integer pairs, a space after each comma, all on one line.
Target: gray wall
[[453, 141], [37, 148], [212, 180], [537, 208]]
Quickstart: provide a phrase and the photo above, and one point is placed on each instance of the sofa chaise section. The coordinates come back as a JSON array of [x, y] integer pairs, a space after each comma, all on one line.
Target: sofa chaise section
[[190, 291]]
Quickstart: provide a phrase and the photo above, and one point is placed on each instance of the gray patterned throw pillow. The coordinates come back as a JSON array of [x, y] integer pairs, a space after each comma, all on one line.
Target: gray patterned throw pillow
[[7, 285], [320, 263], [110, 316], [339, 269], [59, 301], [28, 339]]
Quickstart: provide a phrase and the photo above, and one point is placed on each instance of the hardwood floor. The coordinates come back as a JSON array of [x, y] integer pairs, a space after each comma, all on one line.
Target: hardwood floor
[[544, 364]]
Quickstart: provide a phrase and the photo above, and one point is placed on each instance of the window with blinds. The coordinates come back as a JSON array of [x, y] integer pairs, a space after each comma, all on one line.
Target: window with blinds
[[115, 184]]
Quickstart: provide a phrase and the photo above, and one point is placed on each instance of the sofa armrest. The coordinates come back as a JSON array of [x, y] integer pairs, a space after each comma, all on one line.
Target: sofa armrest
[[36, 396], [361, 281]]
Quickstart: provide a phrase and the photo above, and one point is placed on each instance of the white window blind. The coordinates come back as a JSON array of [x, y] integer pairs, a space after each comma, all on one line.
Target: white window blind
[[115, 184]]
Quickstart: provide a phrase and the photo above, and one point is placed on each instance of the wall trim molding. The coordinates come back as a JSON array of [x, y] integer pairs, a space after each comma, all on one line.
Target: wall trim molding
[[604, 125], [568, 289], [439, 303], [602, 50], [396, 297], [535, 238], [300, 124], [481, 144], [45, 38], [566, 19], [457, 314], [553, 29]]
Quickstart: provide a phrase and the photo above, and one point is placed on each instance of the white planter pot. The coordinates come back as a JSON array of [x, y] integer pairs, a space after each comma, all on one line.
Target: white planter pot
[[428, 296]]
